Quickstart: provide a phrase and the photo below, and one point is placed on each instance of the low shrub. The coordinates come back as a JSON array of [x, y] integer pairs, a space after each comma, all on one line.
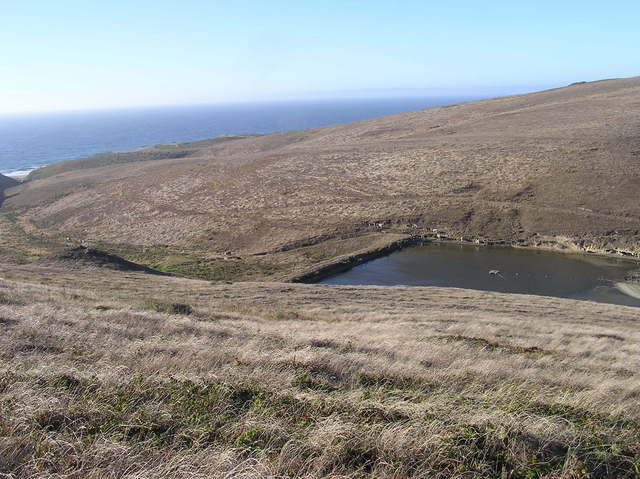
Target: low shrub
[[166, 307]]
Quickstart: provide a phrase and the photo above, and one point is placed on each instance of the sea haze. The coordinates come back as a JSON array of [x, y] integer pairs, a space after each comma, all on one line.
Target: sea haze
[[28, 141]]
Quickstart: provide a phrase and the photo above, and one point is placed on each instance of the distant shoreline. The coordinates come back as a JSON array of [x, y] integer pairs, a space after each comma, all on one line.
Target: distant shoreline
[[19, 174], [32, 142]]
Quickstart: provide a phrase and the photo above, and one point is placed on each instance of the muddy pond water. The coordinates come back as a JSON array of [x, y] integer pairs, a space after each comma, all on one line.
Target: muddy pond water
[[503, 269]]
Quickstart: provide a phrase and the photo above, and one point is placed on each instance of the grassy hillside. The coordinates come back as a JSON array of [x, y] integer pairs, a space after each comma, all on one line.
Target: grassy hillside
[[158, 152], [556, 168], [101, 376]]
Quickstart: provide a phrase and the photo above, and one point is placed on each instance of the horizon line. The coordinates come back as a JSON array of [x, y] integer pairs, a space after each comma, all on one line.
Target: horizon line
[[351, 94]]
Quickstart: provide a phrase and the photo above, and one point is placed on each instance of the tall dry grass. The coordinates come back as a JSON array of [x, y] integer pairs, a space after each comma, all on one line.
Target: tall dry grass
[[308, 381]]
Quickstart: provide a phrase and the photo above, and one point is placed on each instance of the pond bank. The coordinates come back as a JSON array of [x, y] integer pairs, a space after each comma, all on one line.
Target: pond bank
[[498, 269], [344, 263], [340, 264]]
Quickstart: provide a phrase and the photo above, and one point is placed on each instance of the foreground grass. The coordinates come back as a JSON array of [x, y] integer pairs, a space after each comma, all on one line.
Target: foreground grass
[[94, 385]]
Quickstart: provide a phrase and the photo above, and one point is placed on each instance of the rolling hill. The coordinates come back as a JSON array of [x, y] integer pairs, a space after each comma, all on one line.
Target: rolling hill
[[556, 168], [110, 369]]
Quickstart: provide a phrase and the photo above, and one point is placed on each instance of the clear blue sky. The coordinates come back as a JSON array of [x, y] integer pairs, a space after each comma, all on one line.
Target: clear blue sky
[[67, 54]]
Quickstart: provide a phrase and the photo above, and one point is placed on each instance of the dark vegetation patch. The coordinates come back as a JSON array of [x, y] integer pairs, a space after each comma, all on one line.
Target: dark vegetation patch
[[470, 187], [376, 413], [615, 337], [325, 343], [325, 377], [38, 348], [290, 315], [167, 307], [307, 380], [487, 345], [373, 380]]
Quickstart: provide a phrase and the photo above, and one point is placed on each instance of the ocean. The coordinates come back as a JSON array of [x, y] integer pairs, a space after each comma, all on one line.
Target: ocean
[[29, 141]]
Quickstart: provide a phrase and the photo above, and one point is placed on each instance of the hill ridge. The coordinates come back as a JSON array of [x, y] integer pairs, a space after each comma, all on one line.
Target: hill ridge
[[556, 168]]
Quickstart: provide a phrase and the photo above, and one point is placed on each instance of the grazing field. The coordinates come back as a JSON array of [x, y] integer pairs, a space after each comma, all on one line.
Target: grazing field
[[133, 375]]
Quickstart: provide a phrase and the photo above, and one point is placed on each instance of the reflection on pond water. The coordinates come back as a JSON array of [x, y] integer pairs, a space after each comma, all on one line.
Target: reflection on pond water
[[509, 270]]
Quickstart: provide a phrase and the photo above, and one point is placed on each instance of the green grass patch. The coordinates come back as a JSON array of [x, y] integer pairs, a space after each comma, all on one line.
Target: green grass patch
[[253, 439], [191, 263], [581, 417], [20, 246]]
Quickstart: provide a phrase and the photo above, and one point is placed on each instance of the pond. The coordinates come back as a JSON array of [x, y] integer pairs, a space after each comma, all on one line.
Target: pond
[[503, 269]]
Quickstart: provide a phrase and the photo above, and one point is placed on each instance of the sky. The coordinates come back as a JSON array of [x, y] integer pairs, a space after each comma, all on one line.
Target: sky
[[94, 54]]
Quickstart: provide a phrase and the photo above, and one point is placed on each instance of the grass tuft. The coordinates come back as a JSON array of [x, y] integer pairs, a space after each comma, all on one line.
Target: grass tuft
[[166, 307]]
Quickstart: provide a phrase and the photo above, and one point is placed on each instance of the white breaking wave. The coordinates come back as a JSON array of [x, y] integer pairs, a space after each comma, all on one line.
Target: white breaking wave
[[17, 173]]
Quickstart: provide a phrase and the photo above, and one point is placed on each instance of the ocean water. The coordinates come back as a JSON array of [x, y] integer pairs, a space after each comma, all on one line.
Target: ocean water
[[28, 141]]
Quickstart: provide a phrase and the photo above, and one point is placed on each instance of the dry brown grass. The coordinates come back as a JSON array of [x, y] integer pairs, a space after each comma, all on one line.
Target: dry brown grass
[[561, 164], [552, 169], [275, 380], [121, 374]]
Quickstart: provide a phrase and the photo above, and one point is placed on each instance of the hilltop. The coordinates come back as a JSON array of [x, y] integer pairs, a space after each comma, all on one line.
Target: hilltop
[[558, 168]]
